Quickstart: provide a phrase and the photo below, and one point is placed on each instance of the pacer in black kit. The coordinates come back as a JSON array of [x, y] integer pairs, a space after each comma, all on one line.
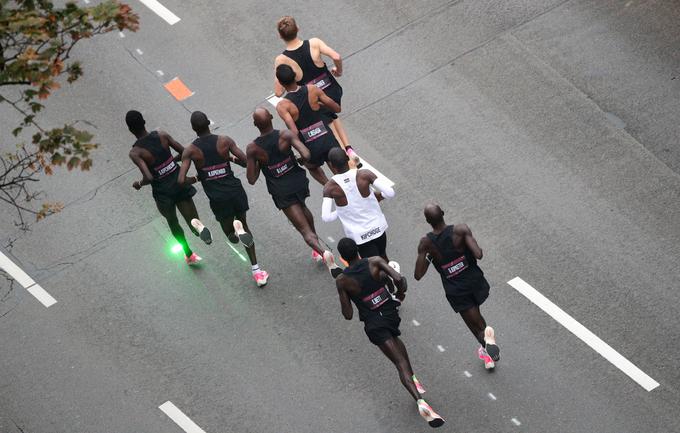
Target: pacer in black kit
[[212, 156], [363, 283], [272, 154], [454, 253], [151, 154]]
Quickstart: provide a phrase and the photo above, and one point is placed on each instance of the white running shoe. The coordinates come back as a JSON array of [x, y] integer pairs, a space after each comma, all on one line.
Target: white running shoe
[[432, 417], [203, 231], [316, 257], [243, 236], [491, 347], [333, 268], [394, 265]]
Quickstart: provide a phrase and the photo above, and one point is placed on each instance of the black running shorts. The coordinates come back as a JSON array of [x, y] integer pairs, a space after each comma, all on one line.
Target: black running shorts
[[374, 247], [230, 207], [335, 93], [167, 195], [461, 303], [381, 327], [286, 201], [319, 149]]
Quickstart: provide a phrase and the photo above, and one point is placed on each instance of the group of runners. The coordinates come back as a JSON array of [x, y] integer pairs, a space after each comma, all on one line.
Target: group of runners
[[315, 136]]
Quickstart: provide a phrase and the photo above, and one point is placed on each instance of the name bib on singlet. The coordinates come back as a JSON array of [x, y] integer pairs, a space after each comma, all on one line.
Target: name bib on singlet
[[455, 267], [165, 168], [376, 299], [371, 234], [314, 131], [321, 81], [283, 167], [216, 171]]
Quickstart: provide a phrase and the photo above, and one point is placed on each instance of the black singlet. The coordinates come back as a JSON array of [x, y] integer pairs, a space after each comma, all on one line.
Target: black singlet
[[374, 296], [283, 174], [458, 269], [312, 125], [311, 74], [216, 176], [163, 162]]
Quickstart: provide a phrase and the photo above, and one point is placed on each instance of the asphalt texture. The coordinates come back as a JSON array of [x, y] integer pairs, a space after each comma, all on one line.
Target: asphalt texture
[[550, 127]]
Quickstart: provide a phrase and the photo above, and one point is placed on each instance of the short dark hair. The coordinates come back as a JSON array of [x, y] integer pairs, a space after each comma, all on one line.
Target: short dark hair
[[338, 158], [285, 74], [199, 121], [287, 28], [348, 249], [135, 121]]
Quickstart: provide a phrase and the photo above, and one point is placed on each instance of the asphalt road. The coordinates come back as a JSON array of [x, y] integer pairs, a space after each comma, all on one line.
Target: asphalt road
[[550, 127]]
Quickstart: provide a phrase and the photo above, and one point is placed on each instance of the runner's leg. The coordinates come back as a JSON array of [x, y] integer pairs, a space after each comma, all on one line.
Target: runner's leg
[[475, 322], [187, 209], [228, 228], [170, 216], [318, 174], [395, 350], [298, 217]]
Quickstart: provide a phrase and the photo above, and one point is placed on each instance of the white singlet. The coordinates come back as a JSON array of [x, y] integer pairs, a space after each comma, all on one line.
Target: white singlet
[[362, 219]]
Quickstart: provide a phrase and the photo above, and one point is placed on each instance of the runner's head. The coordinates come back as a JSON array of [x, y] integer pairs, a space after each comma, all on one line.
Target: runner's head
[[288, 29], [348, 250], [338, 161], [262, 119], [434, 215], [135, 122], [199, 122], [286, 76]]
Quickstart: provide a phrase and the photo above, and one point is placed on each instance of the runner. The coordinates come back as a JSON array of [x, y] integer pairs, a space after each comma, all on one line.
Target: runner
[[301, 111], [363, 283], [454, 252], [228, 200], [304, 56], [151, 154], [272, 153], [357, 205]]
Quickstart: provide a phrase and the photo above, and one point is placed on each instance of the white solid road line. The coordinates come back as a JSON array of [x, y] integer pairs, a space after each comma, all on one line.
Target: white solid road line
[[274, 100], [27, 282], [584, 334], [180, 419], [161, 11]]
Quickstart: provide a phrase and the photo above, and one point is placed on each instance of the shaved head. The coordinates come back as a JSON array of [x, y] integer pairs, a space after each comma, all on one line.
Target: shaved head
[[199, 122], [262, 119], [434, 214]]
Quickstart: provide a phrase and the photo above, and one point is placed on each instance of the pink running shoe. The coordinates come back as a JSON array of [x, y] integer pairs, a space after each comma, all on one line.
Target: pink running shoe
[[317, 257], [488, 362], [429, 414], [261, 278], [419, 386], [193, 259], [333, 268]]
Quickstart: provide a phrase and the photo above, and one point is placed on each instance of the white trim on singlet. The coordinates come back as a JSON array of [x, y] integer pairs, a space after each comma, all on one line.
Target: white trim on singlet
[[362, 219]]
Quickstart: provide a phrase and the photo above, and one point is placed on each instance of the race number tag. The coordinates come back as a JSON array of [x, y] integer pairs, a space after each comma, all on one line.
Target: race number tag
[[322, 81], [377, 298], [165, 168], [283, 167], [314, 131], [455, 267]]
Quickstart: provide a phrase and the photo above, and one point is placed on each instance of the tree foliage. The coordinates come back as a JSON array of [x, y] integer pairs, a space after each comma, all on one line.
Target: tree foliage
[[36, 39]]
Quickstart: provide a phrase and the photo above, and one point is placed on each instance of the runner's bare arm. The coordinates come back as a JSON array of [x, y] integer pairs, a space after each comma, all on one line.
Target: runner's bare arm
[[147, 177], [278, 88], [253, 167], [167, 138], [294, 141], [330, 52], [325, 99], [470, 241], [345, 303], [422, 262], [230, 147], [182, 179], [387, 270], [283, 109]]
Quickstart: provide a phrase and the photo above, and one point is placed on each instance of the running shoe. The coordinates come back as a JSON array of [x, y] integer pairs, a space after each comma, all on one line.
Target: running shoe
[[202, 231], [488, 362], [261, 278], [491, 348], [429, 414], [394, 265], [333, 268], [354, 157], [418, 385], [193, 259], [243, 236], [316, 257]]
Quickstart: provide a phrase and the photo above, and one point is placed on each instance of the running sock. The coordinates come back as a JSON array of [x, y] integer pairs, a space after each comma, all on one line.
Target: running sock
[[255, 268]]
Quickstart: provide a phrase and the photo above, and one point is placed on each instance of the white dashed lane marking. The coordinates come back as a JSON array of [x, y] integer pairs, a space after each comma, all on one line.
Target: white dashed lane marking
[[330, 239], [160, 73], [140, 52], [492, 397], [161, 11], [516, 422], [441, 348], [27, 282], [584, 334], [180, 418], [415, 322], [467, 373]]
